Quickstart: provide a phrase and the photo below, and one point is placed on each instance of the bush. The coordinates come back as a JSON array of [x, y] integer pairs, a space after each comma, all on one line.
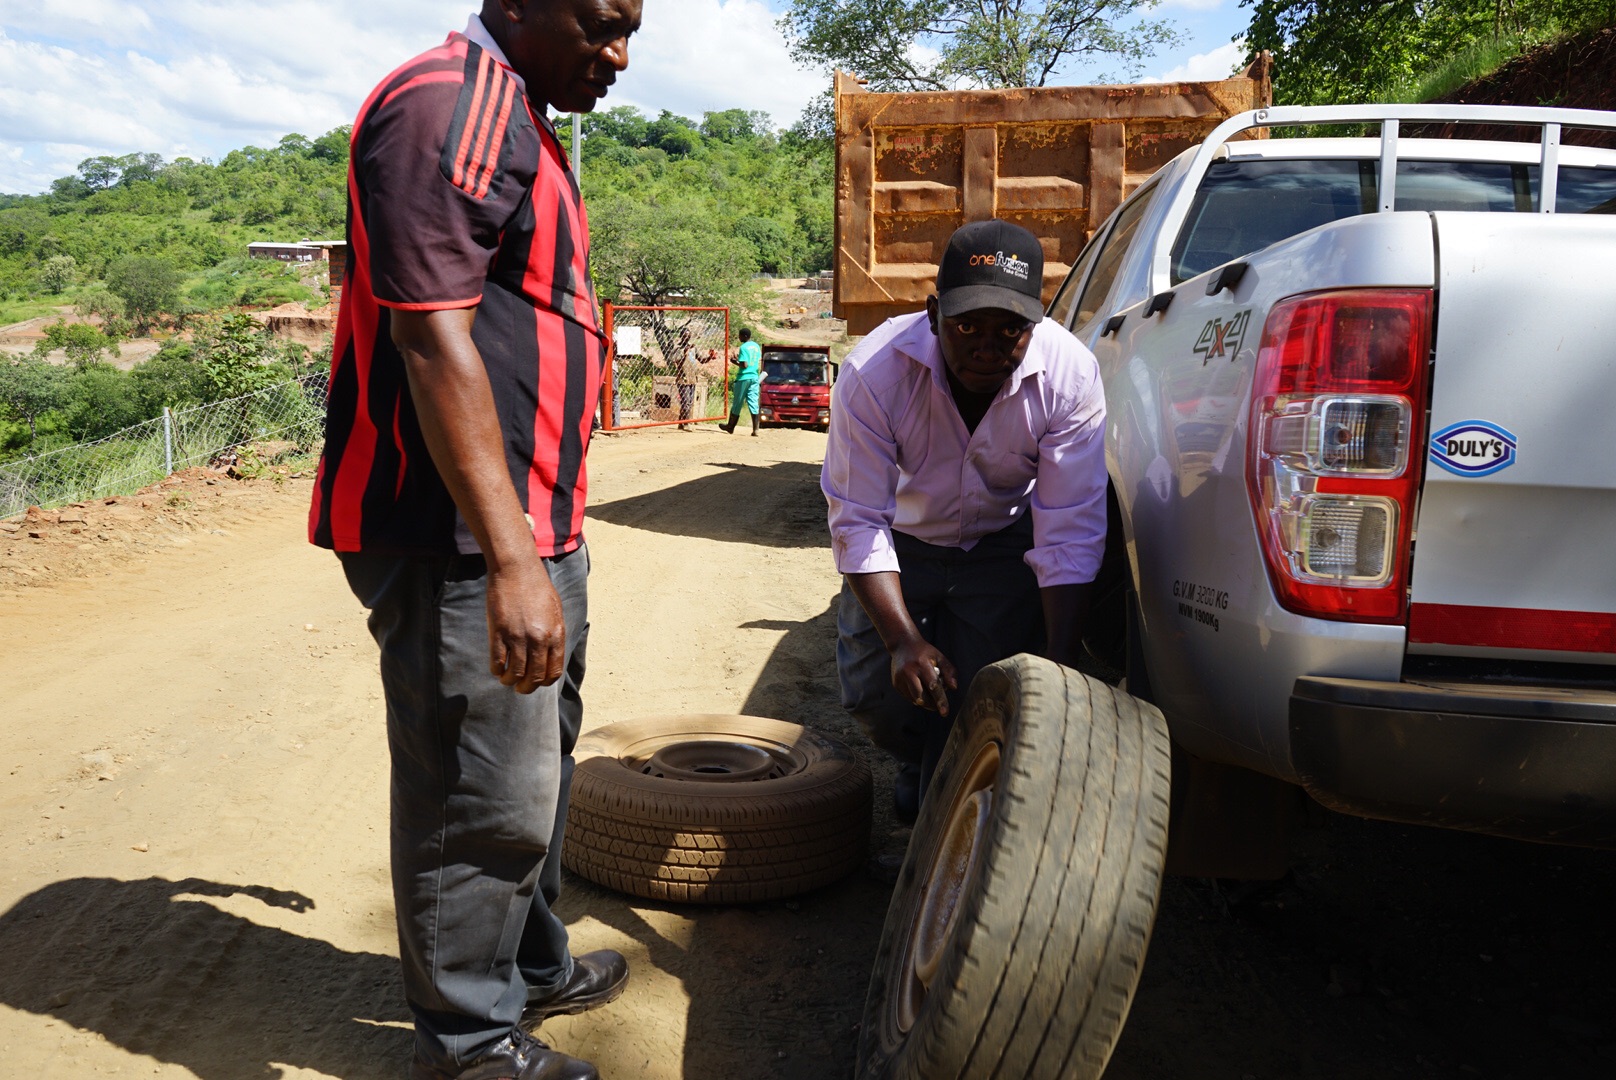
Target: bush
[[247, 282], [148, 286], [82, 343], [57, 273], [101, 400], [173, 379]]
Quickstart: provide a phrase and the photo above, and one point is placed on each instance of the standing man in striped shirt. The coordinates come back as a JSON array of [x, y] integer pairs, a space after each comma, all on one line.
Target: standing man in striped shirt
[[466, 364]]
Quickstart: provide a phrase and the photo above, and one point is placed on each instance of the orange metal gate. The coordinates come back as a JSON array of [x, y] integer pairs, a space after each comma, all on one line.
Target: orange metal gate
[[667, 365]]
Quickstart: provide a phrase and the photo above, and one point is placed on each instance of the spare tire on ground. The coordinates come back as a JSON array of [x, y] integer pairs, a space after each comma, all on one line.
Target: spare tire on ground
[[1015, 938], [715, 809]]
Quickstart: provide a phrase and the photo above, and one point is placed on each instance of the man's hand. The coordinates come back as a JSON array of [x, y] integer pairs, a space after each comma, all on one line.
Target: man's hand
[[920, 672], [527, 633], [923, 675], [449, 385]]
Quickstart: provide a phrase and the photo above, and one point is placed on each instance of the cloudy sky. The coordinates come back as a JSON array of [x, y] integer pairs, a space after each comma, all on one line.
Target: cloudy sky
[[198, 78]]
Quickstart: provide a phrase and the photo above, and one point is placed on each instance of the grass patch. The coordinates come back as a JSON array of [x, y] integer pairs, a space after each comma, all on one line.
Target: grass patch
[[16, 311], [1475, 62]]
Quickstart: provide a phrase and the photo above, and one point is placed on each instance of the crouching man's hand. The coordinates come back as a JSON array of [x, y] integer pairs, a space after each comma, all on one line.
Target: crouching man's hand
[[923, 675]]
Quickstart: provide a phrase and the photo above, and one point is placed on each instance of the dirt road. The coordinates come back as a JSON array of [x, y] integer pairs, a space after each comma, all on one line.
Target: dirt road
[[193, 827]]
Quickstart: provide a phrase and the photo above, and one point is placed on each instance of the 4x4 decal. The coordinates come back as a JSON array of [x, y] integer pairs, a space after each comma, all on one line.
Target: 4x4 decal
[[1222, 338]]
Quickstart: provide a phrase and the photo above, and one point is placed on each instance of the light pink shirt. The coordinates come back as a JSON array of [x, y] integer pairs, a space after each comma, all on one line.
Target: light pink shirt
[[899, 455]]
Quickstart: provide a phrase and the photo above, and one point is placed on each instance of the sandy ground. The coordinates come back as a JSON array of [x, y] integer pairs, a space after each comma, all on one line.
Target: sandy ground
[[193, 825], [193, 871], [17, 339]]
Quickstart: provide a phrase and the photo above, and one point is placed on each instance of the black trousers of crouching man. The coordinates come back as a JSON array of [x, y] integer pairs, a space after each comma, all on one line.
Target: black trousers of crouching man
[[977, 607]]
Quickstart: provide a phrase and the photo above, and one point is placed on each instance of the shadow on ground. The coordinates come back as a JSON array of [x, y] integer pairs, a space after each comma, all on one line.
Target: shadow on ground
[[158, 970], [784, 496], [776, 989], [1391, 951]]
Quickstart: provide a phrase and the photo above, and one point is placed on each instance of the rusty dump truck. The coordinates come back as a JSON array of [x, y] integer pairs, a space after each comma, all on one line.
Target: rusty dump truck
[[913, 167]]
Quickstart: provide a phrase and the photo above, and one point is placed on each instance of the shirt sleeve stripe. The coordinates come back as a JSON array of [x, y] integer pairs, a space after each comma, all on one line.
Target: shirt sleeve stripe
[[419, 80], [434, 305], [470, 119], [486, 120], [497, 139]]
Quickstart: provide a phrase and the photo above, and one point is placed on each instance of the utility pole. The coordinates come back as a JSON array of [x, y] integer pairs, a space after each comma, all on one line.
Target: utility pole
[[578, 148]]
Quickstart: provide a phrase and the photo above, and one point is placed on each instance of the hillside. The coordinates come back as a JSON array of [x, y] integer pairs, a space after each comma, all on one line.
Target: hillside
[[1577, 72], [765, 195], [134, 248]]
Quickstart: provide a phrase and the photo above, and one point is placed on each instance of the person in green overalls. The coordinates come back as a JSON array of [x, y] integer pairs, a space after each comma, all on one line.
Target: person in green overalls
[[749, 374]]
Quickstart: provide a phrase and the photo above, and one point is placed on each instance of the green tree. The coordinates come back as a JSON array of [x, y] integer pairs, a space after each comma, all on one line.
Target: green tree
[[173, 378], [333, 145], [83, 343], [733, 125], [1347, 51], [238, 356], [30, 388], [148, 285], [57, 273], [99, 173], [99, 302], [941, 44], [674, 134], [653, 254], [100, 400], [623, 124], [775, 243]]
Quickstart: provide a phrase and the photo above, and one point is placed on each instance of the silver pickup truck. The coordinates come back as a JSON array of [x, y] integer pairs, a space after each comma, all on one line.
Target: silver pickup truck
[[1362, 398]]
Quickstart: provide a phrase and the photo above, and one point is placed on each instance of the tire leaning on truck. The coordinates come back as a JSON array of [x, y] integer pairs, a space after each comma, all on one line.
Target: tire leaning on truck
[[1018, 928]]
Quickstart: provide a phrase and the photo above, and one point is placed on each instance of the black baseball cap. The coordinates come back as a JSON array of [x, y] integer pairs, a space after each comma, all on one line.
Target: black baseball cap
[[992, 264]]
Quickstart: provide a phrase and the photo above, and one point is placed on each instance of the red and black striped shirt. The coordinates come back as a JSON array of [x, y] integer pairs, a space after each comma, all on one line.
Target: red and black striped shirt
[[459, 196]]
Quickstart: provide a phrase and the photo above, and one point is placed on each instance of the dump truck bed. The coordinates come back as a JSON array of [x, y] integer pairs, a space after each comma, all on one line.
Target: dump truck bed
[[913, 167]]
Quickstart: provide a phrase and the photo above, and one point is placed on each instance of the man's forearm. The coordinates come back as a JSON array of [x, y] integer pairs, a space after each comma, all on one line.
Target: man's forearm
[[1066, 609], [881, 595], [455, 405], [450, 390], [921, 673]]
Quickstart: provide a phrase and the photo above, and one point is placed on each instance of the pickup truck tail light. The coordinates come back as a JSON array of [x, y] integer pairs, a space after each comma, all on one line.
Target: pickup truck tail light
[[1337, 410]]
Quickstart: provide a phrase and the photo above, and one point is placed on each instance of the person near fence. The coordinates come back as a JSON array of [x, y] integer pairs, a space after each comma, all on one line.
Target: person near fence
[[687, 364], [965, 477], [748, 361], [468, 358]]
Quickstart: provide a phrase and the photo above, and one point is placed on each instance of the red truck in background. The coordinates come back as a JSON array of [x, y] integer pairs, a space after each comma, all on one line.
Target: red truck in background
[[796, 385]]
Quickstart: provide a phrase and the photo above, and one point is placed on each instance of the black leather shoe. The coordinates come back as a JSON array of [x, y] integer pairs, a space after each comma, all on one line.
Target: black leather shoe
[[597, 978], [518, 1056]]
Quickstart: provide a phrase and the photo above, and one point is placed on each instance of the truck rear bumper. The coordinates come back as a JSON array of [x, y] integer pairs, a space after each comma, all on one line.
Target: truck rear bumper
[[1536, 764]]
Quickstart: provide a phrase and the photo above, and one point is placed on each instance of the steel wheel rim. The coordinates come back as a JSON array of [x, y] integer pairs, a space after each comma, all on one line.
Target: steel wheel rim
[[713, 758], [952, 867]]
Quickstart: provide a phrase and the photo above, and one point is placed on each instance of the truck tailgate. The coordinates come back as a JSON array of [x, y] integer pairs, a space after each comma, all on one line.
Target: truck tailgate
[[1515, 551]]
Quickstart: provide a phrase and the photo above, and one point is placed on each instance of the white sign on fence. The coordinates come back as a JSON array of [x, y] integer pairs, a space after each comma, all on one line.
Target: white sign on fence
[[627, 340]]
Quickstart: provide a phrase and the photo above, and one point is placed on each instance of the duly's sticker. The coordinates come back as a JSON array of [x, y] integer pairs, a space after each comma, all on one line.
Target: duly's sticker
[[1474, 448]]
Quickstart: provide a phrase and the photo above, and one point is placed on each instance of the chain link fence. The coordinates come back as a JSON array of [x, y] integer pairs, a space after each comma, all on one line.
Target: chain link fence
[[283, 421], [669, 365]]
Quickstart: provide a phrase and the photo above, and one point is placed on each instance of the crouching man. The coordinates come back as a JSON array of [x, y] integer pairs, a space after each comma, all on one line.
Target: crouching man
[[965, 475]]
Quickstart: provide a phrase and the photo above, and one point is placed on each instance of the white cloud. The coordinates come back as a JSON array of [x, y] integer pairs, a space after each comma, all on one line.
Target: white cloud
[[1191, 5], [1220, 63], [203, 77], [714, 55]]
